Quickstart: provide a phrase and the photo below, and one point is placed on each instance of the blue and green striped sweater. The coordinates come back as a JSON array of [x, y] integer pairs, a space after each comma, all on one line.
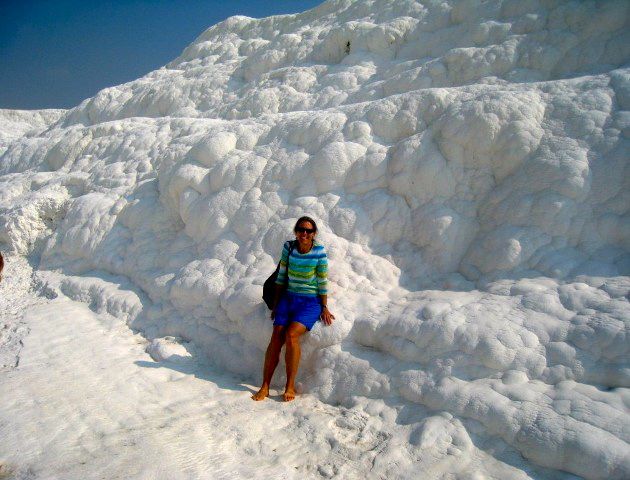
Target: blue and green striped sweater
[[308, 272]]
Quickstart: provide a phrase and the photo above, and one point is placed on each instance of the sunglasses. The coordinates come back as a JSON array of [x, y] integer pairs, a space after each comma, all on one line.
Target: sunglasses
[[304, 230]]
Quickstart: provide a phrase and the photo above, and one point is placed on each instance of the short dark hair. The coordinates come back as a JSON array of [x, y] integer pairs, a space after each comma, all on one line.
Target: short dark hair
[[305, 219]]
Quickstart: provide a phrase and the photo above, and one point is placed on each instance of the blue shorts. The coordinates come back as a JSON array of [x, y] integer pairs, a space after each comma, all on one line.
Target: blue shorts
[[292, 307]]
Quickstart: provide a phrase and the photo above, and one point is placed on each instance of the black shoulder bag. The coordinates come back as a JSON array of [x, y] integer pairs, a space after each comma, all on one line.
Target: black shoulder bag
[[269, 288]]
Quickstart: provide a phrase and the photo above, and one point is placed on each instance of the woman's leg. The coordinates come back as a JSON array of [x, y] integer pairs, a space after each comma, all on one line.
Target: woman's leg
[[272, 357], [292, 358]]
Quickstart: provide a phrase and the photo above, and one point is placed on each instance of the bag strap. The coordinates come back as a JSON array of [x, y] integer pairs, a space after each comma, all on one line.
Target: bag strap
[[291, 247]]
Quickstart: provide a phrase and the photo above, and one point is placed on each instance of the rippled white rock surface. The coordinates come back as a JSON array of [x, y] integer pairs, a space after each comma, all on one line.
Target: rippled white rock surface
[[468, 163]]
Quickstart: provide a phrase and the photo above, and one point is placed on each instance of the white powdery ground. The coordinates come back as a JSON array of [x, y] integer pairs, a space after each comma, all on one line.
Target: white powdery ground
[[82, 399], [469, 165], [86, 401]]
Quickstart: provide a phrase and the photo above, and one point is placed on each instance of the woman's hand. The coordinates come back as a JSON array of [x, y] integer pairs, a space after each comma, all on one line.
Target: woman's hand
[[326, 316]]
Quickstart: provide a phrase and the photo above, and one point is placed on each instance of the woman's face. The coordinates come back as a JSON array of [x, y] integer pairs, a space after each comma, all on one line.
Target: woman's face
[[305, 233]]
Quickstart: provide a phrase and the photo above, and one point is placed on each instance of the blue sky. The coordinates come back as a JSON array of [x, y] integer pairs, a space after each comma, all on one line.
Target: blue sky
[[55, 53]]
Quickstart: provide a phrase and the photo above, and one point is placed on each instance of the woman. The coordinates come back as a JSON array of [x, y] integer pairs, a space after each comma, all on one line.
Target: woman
[[300, 300]]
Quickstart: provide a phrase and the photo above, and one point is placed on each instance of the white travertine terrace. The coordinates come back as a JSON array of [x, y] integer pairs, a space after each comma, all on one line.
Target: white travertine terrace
[[468, 162]]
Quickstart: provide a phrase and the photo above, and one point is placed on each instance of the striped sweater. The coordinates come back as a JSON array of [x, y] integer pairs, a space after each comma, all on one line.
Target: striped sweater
[[308, 272]]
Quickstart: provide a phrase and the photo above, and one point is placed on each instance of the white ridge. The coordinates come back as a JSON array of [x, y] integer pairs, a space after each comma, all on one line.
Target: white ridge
[[468, 163]]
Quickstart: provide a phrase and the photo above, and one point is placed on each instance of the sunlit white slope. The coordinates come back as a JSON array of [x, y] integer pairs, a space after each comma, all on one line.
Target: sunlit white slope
[[16, 123], [468, 162], [346, 52]]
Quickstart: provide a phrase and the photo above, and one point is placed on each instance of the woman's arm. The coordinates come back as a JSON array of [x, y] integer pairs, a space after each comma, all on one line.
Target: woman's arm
[[282, 278], [321, 272], [277, 294], [326, 316]]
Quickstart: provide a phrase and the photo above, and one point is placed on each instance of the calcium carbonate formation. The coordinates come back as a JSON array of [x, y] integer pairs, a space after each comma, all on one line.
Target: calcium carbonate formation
[[468, 162]]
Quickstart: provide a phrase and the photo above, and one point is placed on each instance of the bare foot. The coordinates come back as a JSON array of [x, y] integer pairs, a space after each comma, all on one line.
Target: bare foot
[[289, 395], [261, 394]]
